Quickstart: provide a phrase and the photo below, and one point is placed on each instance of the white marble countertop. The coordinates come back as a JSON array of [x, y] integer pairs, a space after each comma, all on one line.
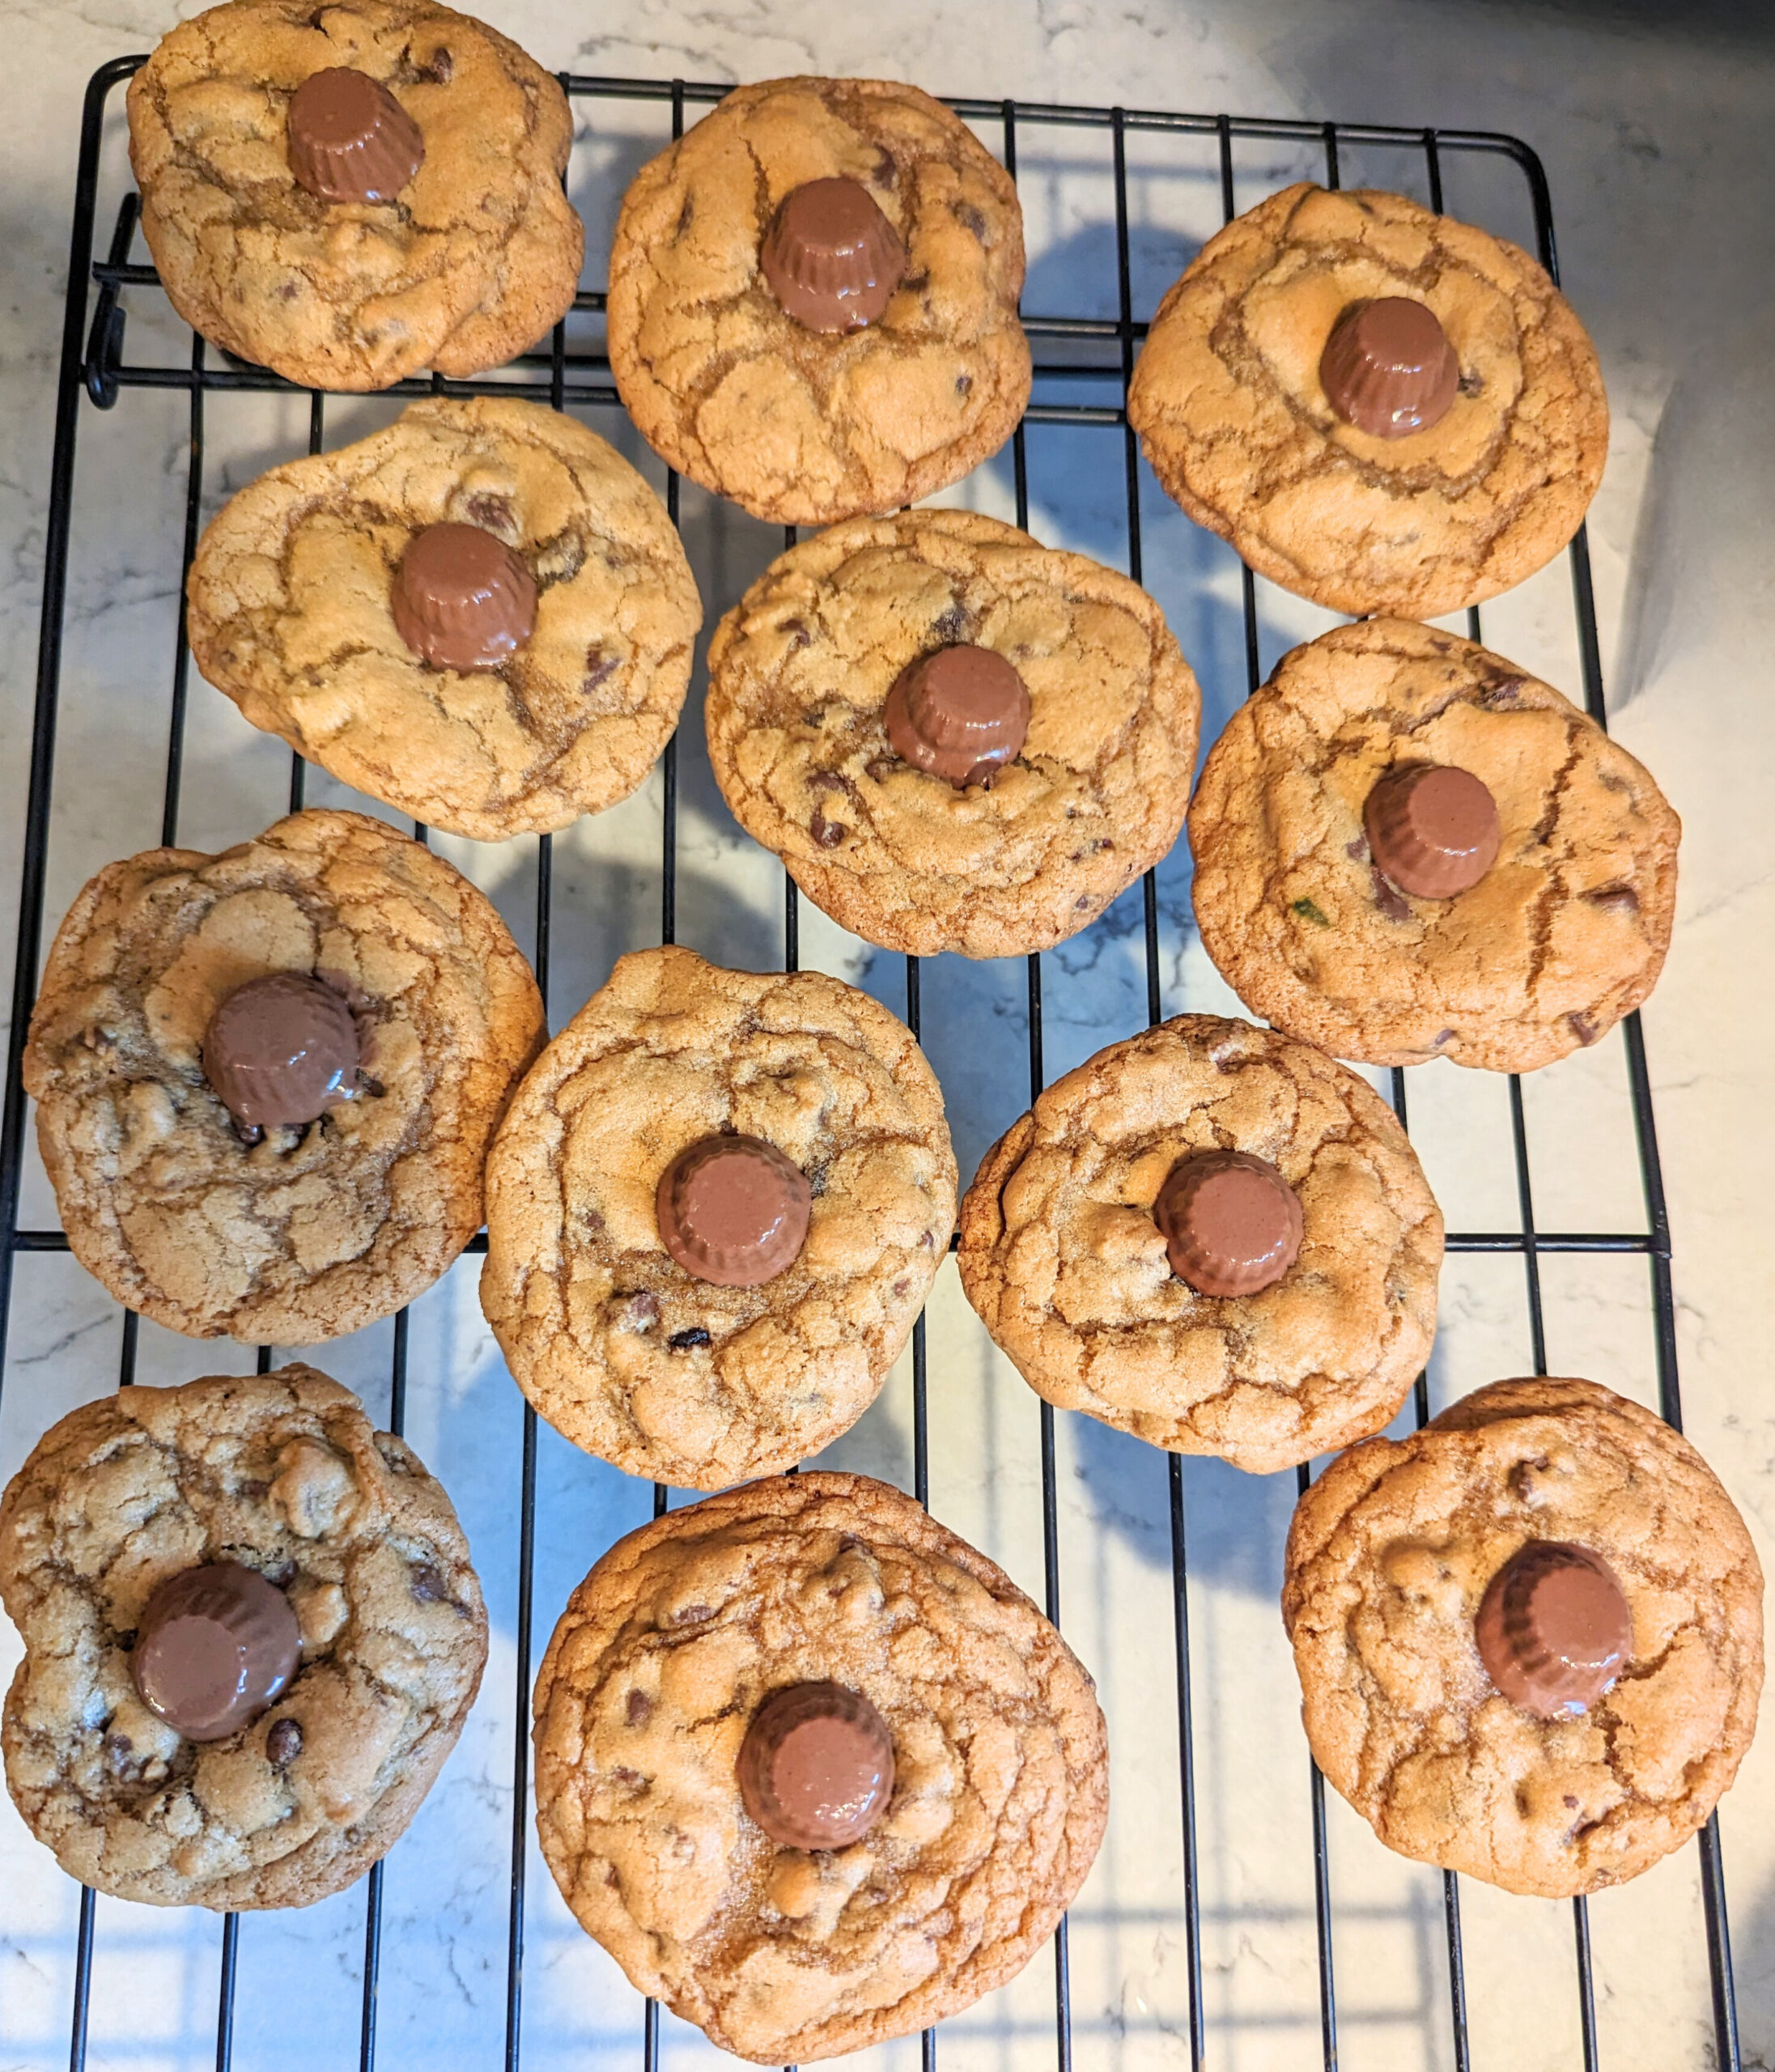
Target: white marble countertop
[[1660, 155]]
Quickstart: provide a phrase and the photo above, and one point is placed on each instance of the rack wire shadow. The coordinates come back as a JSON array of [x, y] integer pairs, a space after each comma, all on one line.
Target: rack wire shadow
[[95, 373]]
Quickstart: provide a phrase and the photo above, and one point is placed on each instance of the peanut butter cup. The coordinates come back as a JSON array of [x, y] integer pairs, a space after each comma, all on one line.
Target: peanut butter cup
[[215, 1647], [830, 257], [1554, 1630], [733, 1211], [462, 599], [350, 139], [816, 1770], [962, 714], [1433, 829], [1232, 1224], [1388, 367], [280, 1051]]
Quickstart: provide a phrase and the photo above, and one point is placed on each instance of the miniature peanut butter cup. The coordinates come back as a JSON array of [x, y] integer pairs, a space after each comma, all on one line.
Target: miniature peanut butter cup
[[1232, 1224], [215, 1647], [350, 139], [1388, 367], [1432, 829], [962, 714], [733, 1211], [1554, 1630], [830, 257], [462, 599], [816, 1770], [280, 1051]]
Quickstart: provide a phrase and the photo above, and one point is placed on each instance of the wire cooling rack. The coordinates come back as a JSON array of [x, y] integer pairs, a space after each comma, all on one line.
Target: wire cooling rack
[[1083, 363]]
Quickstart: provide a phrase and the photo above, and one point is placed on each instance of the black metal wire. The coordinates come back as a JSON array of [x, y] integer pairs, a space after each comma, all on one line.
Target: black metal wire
[[93, 367]]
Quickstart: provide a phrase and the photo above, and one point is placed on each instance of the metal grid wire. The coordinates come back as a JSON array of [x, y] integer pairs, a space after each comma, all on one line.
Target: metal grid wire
[[93, 373]]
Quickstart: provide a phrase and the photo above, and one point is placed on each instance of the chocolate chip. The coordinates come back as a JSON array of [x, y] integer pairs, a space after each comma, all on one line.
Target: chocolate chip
[[119, 1750], [683, 1341], [1386, 898], [426, 1585], [951, 627], [692, 1614], [594, 1223], [926, 1241], [630, 1780], [493, 513], [639, 1312], [639, 1708], [598, 665], [1083, 904], [971, 221], [900, 1286], [827, 832], [437, 69], [798, 627], [1470, 384], [283, 1743], [881, 768], [1356, 851], [1615, 899], [1583, 1028], [1502, 691], [1570, 1801], [963, 384], [887, 173], [825, 780], [1445, 1036]]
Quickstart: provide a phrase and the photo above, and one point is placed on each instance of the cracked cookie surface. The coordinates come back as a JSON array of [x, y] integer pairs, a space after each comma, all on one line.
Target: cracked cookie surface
[[624, 1352], [801, 426], [282, 1473], [1388, 1558], [664, 1652], [290, 616], [312, 1231], [474, 260], [1565, 934], [1061, 1256], [1227, 400], [798, 673]]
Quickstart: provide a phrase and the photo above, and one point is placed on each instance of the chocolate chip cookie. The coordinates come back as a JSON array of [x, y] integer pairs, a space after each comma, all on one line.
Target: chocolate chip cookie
[[1530, 1636], [349, 193], [1212, 1237], [1383, 409], [251, 1637], [954, 737], [813, 300], [266, 1080], [697, 1835], [1355, 890], [713, 1213], [482, 615]]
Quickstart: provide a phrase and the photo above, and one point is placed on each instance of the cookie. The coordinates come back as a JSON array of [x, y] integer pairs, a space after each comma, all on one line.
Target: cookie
[[677, 1370], [1562, 934], [1561, 1788], [803, 425], [644, 1709], [410, 216], [1342, 458], [207, 1209], [304, 582], [1117, 1288], [355, 1550], [814, 731]]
